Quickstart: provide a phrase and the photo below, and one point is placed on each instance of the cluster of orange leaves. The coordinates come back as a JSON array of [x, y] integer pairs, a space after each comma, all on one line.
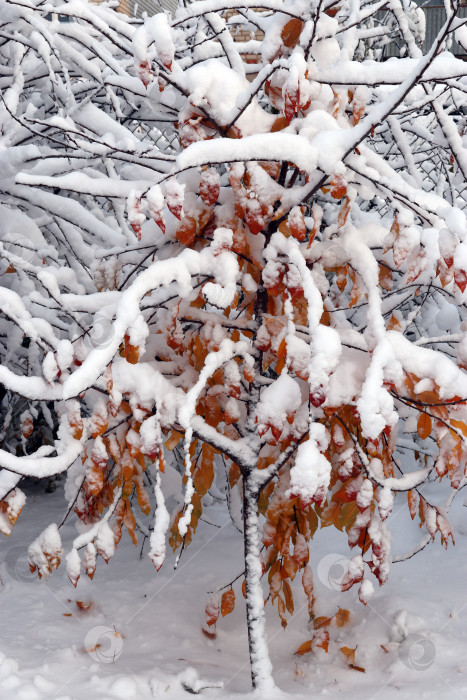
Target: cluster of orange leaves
[[320, 638]]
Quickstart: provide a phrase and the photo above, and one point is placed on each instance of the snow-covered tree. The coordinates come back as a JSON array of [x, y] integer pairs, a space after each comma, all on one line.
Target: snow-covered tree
[[251, 273]]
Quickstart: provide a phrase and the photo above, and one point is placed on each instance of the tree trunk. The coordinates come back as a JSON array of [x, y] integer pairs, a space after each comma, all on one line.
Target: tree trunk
[[261, 667]]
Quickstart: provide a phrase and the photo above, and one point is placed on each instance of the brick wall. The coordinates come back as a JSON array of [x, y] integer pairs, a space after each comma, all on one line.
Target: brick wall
[[245, 35]]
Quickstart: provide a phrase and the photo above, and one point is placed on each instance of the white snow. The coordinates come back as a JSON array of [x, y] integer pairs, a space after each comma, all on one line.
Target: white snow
[[310, 474]]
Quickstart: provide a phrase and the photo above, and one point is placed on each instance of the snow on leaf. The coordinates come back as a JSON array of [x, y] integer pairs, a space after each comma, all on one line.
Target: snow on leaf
[[89, 560], [73, 566], [227, 602], [354, 573], [412, 498], [105, 542], [365, 591], [209, 186], [310, 474], [212, 610], [10, 510], [175, 194], [45, 552], [155, 200]]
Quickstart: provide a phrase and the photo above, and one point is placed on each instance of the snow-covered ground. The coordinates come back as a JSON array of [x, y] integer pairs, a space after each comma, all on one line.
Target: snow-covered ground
[[141, 636]]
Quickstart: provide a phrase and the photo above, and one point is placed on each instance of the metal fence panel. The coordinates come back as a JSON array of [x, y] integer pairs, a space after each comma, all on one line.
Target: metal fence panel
[[152, 7], [435, 17]]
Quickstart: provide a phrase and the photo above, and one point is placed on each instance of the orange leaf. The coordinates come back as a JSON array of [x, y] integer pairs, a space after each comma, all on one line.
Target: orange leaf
[[288, 596], [99, 422], [412, 498], [322, 621], [10, 510], [424, 425], [330, 514], [343, 212], [94, 480], [290, 566], [385, 277], [304, 648], [338, 186], [253, 217], [234, 474], [186, 232], [460, 425], [76, 424], [130, 524], [143, 498], [200, 352], [281, 610], [341, 277], [460, 278], [27, 426], [291, 32], [342, 617], [296, 223], [204, 473], [213, 411], [131, 351], [275, 580], [422, 510], [321, 639], [394, 323], [192, 448], [349, 654], [173, 440], [227, 602], [357, 111], [209, 186], [279, 124], [307, 581], [430, 397], [282, 349]]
